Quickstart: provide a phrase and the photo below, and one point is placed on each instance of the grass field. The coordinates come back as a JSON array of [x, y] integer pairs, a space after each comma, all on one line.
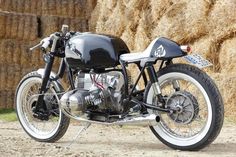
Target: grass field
[[8, 115]]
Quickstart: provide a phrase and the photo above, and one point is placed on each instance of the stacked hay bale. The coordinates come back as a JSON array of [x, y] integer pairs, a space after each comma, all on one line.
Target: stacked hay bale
[[22, 24]]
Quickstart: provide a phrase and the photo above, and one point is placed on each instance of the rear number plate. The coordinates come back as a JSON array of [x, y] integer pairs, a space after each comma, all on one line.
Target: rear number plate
[[197, 60]]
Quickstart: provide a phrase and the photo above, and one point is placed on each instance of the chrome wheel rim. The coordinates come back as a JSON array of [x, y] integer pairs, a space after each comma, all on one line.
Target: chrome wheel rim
[[183, 134], [27, 95]]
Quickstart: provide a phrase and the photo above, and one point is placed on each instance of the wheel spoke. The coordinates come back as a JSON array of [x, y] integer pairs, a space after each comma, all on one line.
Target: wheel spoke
[[29, 97], [174, 125]]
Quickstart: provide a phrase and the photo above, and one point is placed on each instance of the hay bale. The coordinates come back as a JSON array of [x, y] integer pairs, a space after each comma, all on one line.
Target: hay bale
[[27, 6], [1, 53], [184, 21], [141, 37], [65, 8], [108, 21], [3, 78], [51, 24], [202, 46], [14, 26], [7, 48], [8, 23], [3, 96], [14, 52], [95, 14], [227, 56], [10, 99], [6, 5], [30, 28], [18, 26], [10, 77], [128, 37], [90, 6], [2, 25], [20, 6], [49, 7], [158, 9], [82, 8], [209, 49], [72, 8], [221, 18], [228, 92]]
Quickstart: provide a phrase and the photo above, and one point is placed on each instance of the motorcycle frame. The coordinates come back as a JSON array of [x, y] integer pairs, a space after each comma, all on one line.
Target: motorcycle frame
[[153, 78], [172, 51], [130, 96]]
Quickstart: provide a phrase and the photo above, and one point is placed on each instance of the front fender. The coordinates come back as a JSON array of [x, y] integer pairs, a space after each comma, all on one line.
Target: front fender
[[41, 72]]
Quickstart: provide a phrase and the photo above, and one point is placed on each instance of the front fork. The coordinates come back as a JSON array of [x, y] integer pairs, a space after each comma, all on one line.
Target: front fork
[[40, 110]]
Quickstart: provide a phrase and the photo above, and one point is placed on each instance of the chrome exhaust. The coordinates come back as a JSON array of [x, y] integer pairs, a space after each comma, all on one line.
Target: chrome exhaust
[[141, 120], [145, 120]]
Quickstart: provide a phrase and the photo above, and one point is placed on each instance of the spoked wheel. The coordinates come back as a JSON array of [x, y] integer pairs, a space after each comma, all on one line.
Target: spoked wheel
[[197, 106], [49, 130]]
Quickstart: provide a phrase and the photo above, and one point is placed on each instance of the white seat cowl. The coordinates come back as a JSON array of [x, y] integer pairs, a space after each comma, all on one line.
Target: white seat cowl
[[134, 57]]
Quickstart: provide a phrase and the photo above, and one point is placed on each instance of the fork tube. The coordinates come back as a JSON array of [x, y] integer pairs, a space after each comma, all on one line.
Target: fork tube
[[61, 69], [40, 104]]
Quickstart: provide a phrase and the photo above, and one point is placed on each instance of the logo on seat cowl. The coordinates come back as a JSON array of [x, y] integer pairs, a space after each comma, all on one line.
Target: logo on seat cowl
[[160, 52]]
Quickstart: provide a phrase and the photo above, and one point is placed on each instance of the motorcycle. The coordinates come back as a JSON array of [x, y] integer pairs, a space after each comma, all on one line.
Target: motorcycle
[[180, 103]]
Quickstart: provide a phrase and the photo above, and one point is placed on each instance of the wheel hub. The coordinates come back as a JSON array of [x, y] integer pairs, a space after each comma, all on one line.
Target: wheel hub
[[184, 106], [38, 114]]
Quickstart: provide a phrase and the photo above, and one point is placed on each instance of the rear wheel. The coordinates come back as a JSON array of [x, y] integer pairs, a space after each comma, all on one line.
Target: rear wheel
[[26, 97], [198, 106]]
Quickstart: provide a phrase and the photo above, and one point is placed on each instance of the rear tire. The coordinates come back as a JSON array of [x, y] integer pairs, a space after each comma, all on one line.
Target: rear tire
[[42, 131], [212, 101]]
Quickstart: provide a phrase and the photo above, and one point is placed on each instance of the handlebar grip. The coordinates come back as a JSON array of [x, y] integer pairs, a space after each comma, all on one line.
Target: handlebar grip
[[45, 44]]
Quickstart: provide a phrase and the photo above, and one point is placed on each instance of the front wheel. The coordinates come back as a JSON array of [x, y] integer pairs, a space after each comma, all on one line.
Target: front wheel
[[26, 97], [198, 106]]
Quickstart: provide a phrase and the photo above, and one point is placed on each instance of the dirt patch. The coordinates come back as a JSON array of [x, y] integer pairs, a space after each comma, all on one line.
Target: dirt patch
[[107, 141]]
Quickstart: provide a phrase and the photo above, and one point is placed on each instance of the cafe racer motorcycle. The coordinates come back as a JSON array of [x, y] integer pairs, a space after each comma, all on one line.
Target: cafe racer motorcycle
[[180, 103]]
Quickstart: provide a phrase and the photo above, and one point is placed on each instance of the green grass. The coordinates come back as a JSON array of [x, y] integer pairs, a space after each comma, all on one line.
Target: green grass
[[8, 115]]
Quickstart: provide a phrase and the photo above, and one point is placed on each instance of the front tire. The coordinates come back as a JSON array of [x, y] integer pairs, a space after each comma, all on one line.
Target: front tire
[[198, 125], [26, 96]]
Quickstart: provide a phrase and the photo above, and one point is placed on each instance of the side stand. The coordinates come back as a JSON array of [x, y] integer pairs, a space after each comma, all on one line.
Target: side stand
[[76, 137]]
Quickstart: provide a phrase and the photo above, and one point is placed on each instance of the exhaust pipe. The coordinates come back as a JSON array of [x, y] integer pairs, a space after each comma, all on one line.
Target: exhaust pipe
[[146, 120], [143, 120]]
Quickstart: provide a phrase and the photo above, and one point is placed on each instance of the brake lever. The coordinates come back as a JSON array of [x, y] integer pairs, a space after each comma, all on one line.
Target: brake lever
[[36, 46], [43, 43]]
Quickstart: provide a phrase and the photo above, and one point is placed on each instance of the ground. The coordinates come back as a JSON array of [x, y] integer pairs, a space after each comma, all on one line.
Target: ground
[[103, 141]]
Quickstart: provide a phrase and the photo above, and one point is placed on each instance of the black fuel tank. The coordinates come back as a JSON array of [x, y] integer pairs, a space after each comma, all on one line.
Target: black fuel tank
[[94, 51]]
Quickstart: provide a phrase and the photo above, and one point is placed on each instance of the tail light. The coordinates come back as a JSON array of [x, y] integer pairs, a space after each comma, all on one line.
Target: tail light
[[185, 48]]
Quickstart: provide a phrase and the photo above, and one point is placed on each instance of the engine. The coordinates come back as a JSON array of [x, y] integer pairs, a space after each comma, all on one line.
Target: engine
[[95, 93]]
